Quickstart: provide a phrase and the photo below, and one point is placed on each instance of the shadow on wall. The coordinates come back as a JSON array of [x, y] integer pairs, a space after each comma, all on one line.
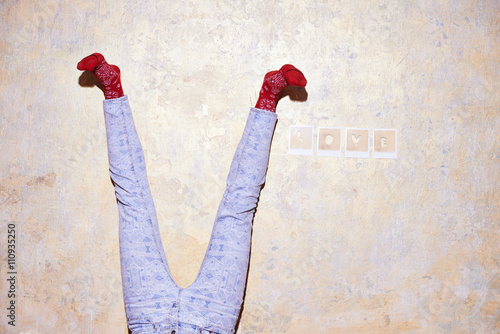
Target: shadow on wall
[[298, 94], [88, 79]]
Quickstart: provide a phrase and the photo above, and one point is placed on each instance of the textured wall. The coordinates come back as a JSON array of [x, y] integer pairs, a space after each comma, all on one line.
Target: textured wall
[[340, 245]]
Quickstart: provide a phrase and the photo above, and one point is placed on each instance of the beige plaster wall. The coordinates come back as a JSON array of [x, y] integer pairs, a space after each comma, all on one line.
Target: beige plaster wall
[[340, 245]]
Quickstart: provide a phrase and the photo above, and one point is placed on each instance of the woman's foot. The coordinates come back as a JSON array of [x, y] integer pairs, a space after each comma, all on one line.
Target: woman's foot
[[108, 75], [275, 82]]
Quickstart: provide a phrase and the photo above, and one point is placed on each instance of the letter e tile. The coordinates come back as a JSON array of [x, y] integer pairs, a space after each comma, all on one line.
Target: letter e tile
[[385, 143]]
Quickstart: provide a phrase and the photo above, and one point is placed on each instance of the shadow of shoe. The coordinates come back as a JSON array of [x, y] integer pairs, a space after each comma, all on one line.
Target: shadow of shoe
[[295, 93], [88, 79]]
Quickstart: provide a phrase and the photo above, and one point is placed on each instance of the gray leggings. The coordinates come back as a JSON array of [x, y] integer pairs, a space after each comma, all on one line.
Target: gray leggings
[[154, 303]]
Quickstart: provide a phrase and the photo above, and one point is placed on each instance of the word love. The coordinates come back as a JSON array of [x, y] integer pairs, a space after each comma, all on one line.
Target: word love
[[357, 142]]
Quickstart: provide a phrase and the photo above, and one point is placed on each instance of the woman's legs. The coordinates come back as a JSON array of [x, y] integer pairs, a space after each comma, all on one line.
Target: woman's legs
[[150, 293], [153, 301], [151, 296]]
